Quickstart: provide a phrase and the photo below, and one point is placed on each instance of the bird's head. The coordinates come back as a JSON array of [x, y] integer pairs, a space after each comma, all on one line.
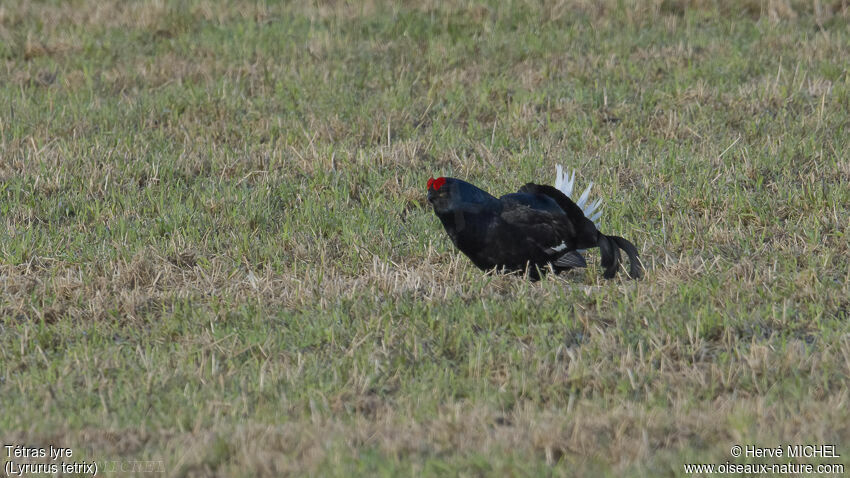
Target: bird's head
[[440, 193], [453, 195]]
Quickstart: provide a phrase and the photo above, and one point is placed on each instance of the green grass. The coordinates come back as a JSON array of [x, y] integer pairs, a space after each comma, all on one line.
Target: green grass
[[216, 254]]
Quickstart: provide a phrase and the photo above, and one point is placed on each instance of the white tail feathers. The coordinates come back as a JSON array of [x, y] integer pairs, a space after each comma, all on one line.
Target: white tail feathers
[[592, 211]]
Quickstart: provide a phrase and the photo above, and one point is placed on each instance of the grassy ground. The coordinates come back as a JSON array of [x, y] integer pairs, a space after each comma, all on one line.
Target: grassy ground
[[215, 251]]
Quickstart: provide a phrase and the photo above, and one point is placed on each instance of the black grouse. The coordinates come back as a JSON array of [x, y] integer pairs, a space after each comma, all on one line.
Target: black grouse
[[528, 231]]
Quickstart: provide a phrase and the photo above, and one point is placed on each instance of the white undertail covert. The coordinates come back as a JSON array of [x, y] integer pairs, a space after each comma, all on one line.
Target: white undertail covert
[[564, 183]]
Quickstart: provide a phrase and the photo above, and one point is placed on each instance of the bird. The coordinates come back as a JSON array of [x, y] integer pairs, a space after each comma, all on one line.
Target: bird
[[533, 230]]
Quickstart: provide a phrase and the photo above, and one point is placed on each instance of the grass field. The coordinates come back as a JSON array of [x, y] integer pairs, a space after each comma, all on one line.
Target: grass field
[[216, 254]]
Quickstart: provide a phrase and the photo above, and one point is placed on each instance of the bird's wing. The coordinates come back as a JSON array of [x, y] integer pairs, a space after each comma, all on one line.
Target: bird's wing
[[544, 227], [572, 210]]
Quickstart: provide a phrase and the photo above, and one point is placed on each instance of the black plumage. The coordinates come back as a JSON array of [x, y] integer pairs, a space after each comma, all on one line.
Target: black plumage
[[531, 230]]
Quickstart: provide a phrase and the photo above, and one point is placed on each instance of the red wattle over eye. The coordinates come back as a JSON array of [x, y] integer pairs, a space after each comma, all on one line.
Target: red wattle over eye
[[430, 182], [438, 183]]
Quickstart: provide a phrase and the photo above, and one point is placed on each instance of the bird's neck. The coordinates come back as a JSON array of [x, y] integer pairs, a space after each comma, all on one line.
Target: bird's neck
[[470, 198]]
